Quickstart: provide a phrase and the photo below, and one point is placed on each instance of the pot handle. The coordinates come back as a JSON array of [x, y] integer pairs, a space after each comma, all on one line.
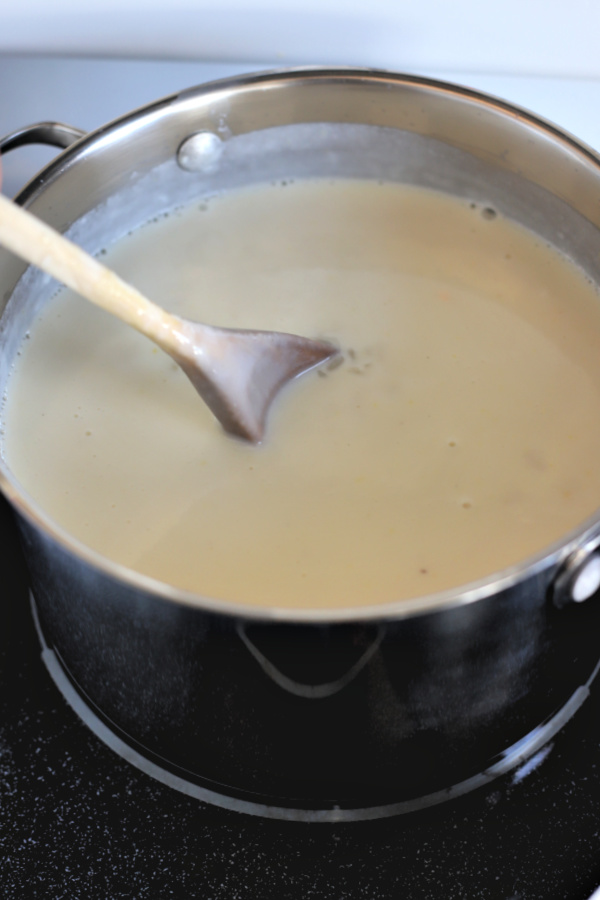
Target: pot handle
[[54, 134], [578, 579], [311, 662]]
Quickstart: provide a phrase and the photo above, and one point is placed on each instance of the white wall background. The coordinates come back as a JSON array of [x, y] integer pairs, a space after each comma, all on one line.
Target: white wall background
[[525, 37]]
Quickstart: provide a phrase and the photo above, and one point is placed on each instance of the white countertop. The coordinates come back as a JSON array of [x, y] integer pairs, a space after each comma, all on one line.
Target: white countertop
[[88, 92], [525, 37]]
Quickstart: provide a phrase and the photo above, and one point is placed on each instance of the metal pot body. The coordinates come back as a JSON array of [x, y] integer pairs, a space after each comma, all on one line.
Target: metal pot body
[[315, 715]]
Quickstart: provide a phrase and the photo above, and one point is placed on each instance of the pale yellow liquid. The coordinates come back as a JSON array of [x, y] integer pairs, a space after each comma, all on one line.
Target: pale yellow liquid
[[460, 435]]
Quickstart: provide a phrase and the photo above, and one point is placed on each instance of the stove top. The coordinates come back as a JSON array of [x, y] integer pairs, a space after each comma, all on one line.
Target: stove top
[[76, 820]]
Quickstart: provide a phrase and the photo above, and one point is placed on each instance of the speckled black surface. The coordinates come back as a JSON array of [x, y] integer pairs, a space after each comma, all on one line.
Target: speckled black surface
[[76, 821]]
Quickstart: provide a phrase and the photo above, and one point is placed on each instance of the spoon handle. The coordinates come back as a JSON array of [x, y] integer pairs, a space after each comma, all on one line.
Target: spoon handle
[[34, 241]]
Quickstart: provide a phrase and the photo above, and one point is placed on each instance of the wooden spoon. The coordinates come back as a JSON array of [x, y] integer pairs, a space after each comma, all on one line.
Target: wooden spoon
[[236, 372]]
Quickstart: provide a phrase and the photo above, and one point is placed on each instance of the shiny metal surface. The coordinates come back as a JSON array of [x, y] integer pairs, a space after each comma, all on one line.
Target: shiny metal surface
[[392, 126], [578, 579], [52, 133], [323, 708]]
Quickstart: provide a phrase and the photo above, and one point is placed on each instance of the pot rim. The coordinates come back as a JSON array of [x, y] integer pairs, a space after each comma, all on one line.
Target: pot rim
[[554, 554]]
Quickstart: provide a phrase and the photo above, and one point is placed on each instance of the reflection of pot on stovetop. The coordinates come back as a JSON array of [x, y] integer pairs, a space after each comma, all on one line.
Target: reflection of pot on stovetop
[[350, 713]]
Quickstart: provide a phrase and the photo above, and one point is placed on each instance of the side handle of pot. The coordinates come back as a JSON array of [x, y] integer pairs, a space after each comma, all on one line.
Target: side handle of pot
[[54, 134], [309, 661], [578, 579]]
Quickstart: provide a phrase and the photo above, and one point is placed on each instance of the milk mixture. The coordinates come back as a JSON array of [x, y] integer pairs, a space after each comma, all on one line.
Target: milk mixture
[[459, 435]]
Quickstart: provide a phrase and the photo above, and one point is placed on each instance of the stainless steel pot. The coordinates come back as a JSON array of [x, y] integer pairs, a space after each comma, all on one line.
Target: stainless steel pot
[[315, 715]]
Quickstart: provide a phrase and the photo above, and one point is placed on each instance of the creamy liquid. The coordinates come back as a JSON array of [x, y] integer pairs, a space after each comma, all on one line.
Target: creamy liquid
[[460, 435]]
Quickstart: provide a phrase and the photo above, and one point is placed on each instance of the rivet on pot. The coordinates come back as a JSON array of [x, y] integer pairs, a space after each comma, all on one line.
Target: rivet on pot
[[579, 578], [201, 152]]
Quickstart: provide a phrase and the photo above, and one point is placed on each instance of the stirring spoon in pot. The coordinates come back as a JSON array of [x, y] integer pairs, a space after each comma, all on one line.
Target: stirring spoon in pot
[[236, 372]]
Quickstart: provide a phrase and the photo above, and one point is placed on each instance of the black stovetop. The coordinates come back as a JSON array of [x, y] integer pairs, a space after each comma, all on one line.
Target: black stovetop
[[77, 821]]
